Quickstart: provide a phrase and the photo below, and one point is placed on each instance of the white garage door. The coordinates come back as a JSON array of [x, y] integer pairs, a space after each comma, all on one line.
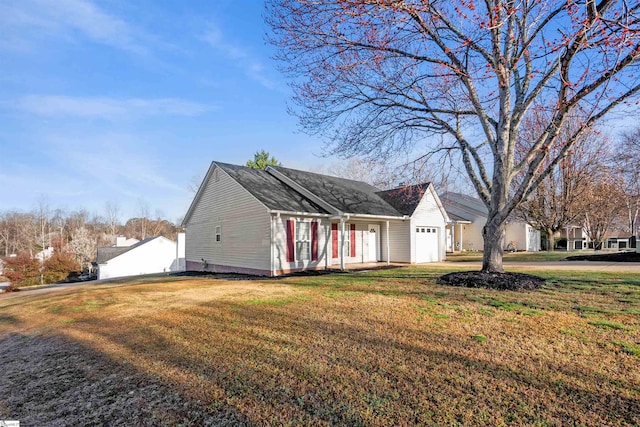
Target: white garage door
[[426, 244]]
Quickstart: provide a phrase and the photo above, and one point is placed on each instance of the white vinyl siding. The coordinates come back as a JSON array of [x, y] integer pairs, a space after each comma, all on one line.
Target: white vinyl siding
[[244, 224], [280, 248], [155, 256], [399, 241], [428, 214]]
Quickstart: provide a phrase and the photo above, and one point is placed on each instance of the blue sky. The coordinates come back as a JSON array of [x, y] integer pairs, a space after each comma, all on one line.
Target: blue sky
[[128, 101]]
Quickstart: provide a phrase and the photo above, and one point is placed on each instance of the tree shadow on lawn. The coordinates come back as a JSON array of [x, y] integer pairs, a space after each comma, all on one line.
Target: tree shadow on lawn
[[53, 380], [279, 364]]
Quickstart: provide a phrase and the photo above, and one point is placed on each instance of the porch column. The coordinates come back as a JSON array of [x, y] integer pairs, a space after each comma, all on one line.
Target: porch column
[[341, 243], [273, 244], [388, 246], [453, 237]]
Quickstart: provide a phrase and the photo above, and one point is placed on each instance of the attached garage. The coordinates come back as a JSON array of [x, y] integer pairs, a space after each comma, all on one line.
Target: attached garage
[[427, 244]]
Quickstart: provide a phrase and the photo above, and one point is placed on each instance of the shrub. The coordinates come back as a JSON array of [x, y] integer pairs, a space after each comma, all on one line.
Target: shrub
[[59, 266], [22, 270]]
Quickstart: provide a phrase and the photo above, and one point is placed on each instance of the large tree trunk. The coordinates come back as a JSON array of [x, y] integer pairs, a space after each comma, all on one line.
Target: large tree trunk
[[550, 240], [494, 235]]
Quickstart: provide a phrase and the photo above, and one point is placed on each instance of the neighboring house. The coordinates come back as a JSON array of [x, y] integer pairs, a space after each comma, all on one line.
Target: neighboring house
[[621, 242], [279, 220], [577, 238], [44, 254], [469, 215], [122, 241], [152, 255], [1, 267]]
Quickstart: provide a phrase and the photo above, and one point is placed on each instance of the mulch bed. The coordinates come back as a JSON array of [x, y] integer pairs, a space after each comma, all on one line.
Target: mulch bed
[[500, 281], [612, 257]]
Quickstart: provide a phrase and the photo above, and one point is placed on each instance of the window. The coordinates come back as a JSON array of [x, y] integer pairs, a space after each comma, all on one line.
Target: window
[[303, 241], [218, 234], [346, 249]]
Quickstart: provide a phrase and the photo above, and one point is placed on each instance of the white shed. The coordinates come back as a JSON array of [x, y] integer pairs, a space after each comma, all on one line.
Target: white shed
[[152, 255]]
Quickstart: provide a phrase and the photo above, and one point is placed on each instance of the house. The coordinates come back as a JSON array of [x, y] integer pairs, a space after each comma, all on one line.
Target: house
[[153, 255], [122, 241], [44, 254], [469, 215], [279, 220], [621, 242]]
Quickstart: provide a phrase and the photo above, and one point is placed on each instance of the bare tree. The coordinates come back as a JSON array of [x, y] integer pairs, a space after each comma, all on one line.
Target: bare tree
[[112, 212], [627, 166], [558, 200], [374, 172], [375, 76], [143, 218], [43, 215], [601, 206], [194, 183]]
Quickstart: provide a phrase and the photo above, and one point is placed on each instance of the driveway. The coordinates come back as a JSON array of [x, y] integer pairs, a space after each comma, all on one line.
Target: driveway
[[45, 289], [620, 267]]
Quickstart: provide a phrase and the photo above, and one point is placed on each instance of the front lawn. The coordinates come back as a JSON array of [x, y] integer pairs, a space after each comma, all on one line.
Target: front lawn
[[387, 347], [514, 256]]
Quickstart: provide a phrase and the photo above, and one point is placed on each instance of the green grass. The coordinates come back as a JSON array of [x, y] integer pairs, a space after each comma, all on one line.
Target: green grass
[[607, 324], [512, 256], [629, 348]]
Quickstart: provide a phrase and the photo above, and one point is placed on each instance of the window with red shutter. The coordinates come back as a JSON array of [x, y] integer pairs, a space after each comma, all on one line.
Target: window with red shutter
[[291, 252], [314, 241], [352, 239], [334, 240]]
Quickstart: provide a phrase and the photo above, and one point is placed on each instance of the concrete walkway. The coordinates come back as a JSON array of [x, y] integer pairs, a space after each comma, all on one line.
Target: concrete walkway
[[620, 267]]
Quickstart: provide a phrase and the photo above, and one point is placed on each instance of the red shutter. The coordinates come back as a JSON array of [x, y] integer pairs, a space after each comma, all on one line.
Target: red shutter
[[291, 249], [314, 240], [334, 240], [353, 240]]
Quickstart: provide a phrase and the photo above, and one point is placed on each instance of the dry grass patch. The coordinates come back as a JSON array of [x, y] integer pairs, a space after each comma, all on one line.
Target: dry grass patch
[[380, 348]]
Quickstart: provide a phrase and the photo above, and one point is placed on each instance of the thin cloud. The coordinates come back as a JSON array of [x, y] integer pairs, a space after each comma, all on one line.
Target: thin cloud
[[242, 57], [65, 18], [106, 108]]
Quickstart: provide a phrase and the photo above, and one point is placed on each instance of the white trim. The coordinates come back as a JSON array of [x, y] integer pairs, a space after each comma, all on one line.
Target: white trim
[[292, 213]]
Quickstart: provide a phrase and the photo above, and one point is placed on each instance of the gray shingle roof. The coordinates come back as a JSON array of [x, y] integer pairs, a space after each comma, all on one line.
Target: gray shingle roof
[[109, 252], [405, 199], [347, 195], [462, 205], [273, 193], [455, 217]]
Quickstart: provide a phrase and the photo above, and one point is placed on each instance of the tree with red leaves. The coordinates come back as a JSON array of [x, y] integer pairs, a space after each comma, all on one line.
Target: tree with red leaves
[[22, 270], [377, 76]]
